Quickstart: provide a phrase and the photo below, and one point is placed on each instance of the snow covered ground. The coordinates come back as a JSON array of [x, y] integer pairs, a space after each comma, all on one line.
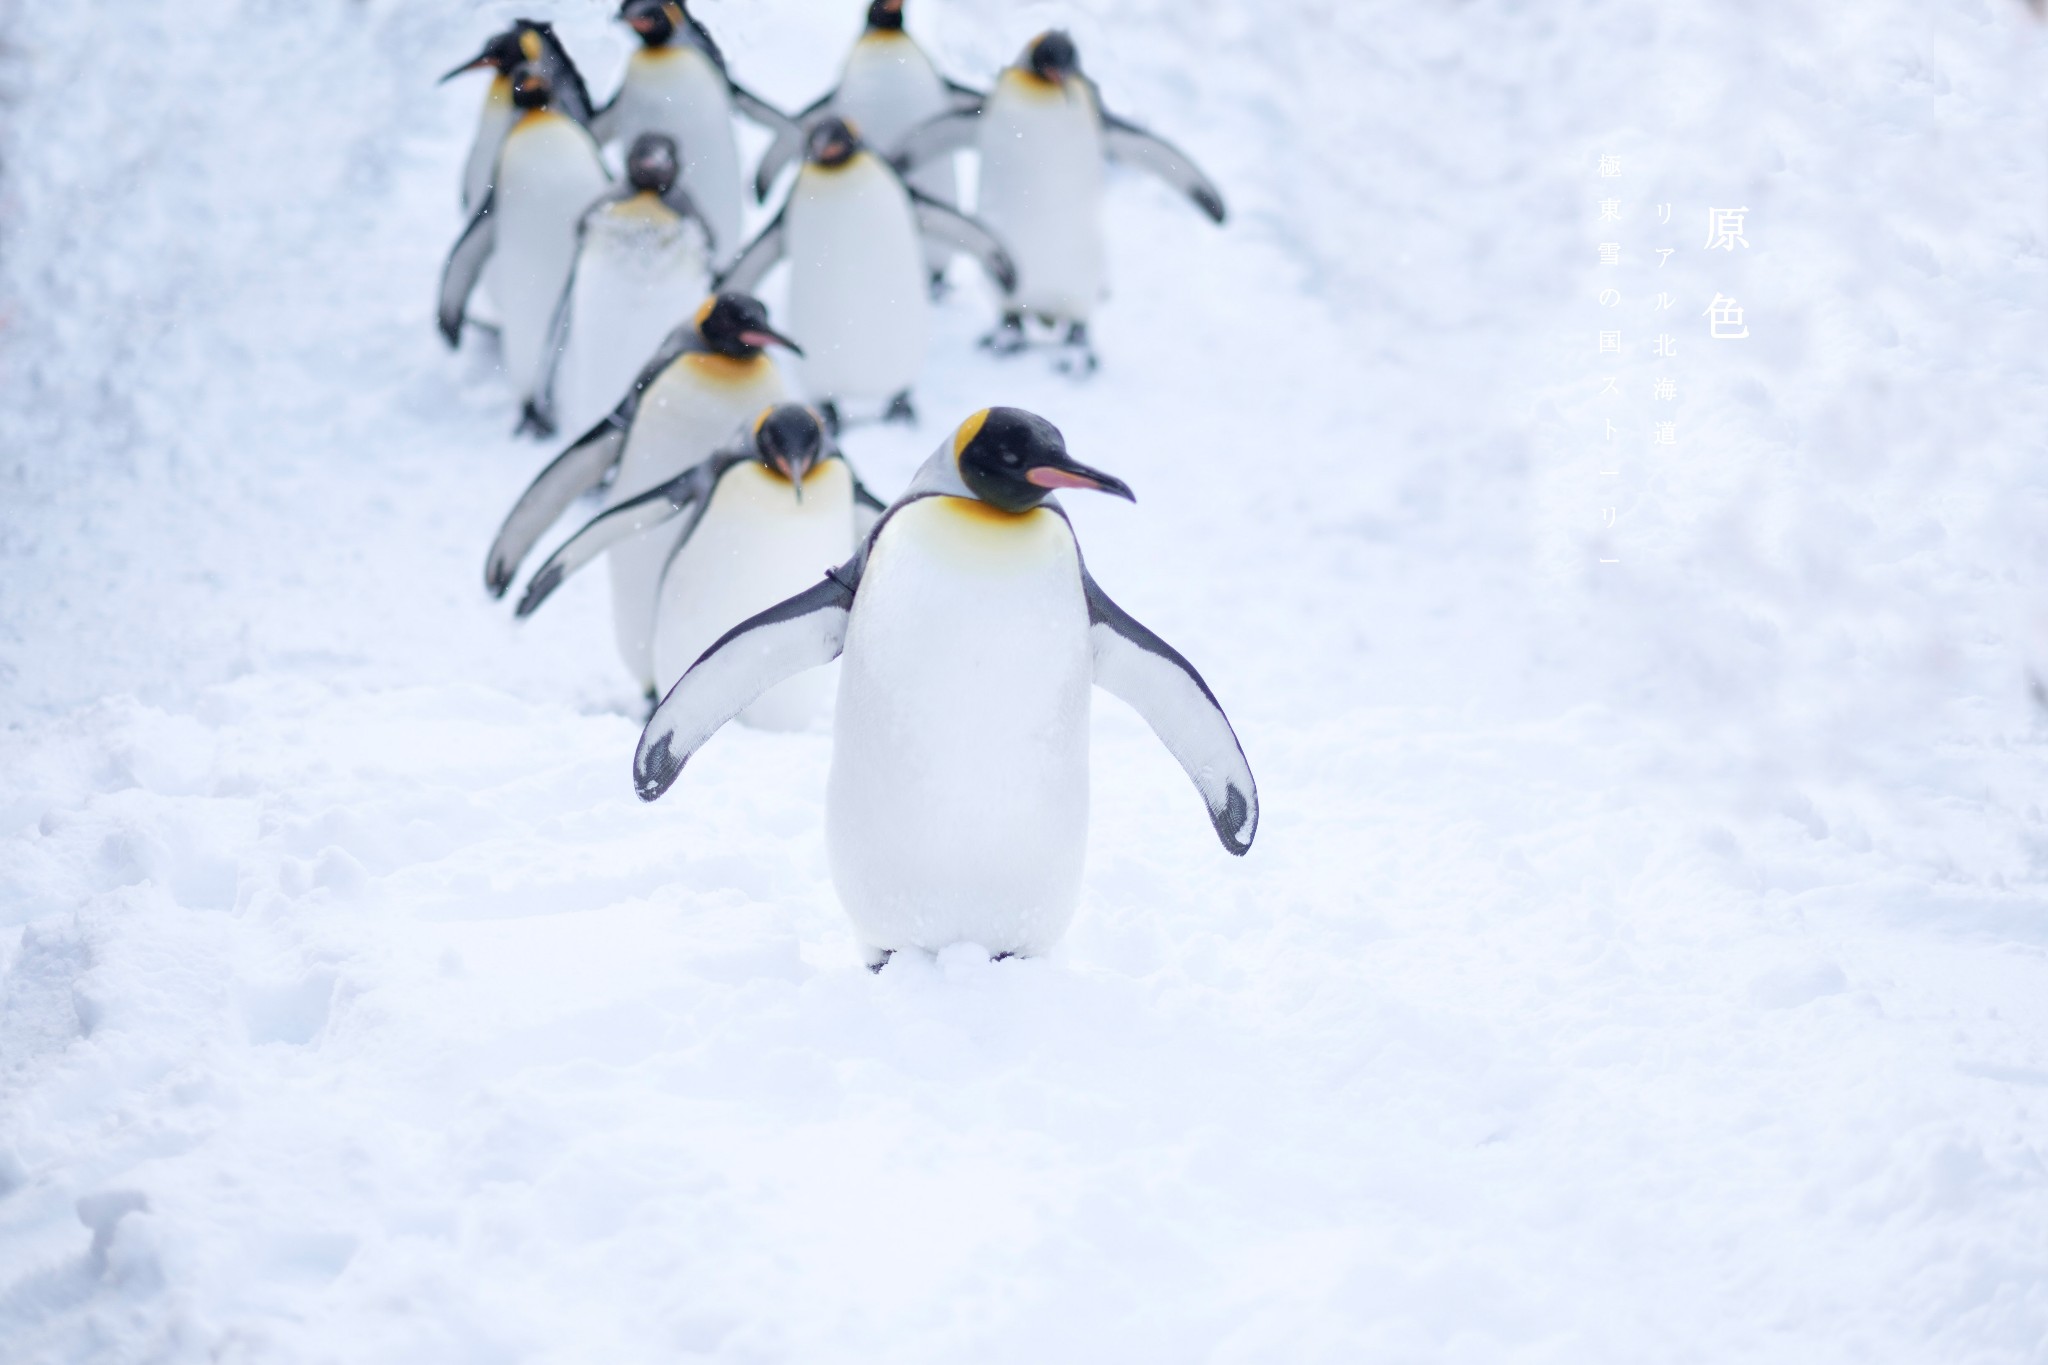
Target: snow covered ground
[[1642, 961]]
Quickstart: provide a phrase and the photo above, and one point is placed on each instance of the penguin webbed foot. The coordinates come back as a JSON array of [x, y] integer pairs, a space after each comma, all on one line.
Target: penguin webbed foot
[[533, 422], [900, 410], [653, 699], [877, 958], [1008, 337], [1077, 353], [939, 285]]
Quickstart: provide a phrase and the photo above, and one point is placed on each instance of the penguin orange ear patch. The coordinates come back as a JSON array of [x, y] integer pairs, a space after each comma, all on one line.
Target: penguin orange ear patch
[[704, 311], [969, 429], [529, 43]]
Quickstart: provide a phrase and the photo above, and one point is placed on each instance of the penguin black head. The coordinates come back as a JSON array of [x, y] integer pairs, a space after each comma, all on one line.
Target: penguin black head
[[886, 16], [736, 325], [1011, 459], [531, 88], [1053, 56], [832, 143], [789, 439], [656, 21], [652, 163], [502, 53]]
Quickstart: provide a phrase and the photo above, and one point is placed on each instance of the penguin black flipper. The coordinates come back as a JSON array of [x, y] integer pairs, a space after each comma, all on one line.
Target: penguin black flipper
[[964, 99], [1125, 141], [539, 413], [571, 95], [683, 206], [759, 110], [1143, 670], [867, 509], [568, 477], [805, 631], [577, 470], [788, 145], [757, 260], [946, 225], [687, 491], [935, 137], [465, 266]]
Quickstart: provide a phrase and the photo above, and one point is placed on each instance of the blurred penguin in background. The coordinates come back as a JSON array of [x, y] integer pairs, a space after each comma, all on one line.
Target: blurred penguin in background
[[676, 83], [1043, 135], [526, 42], [755, 520], [710, 376], [525, 231], [853, 233], [887, 87], [643, 263]]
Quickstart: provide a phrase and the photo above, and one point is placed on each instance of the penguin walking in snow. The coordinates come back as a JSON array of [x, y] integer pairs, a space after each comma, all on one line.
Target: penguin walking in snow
[[852, 232], [525, 42], [758, 516], [676, 83], [888, 87], [1042, 135], [970, 630], [642, 261], [525, 230], [708, 378]]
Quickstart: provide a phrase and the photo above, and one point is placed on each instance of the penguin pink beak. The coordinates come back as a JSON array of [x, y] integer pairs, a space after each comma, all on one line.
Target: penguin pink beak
[[764, 337], [1079, 476], [484, 60]]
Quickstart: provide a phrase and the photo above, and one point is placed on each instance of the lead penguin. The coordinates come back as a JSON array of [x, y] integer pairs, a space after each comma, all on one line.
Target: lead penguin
[[957, 807]]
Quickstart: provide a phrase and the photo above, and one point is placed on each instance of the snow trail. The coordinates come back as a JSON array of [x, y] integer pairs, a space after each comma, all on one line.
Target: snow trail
[[1634, 965]]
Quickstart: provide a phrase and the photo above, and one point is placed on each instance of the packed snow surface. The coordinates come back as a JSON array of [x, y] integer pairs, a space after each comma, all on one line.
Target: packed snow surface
[[1639, 961]]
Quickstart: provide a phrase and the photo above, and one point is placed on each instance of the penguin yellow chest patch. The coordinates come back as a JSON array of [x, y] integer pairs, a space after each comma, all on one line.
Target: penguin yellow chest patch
[[970, 536], [645, 208], [724, 371]]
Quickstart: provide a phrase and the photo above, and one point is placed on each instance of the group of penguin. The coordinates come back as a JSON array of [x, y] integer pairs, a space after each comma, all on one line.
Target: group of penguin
[[968, 628]]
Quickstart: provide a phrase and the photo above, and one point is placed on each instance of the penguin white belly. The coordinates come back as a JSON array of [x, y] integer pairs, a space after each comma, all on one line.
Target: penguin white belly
[[491, 127], [676, 90], [857, 296], [1041, 193], [642, 271], [957, 808], [548, 174], [887, 89], [697, 404], [755, 546]]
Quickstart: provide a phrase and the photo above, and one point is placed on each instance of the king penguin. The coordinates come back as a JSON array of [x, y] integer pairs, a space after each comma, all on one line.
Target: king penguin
[[642, 261], [851, 230], [676, 83], [526, 41], [887, 87], [548, 173], [759, 516], [708, 378], [969, 631], [1042, 135]]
